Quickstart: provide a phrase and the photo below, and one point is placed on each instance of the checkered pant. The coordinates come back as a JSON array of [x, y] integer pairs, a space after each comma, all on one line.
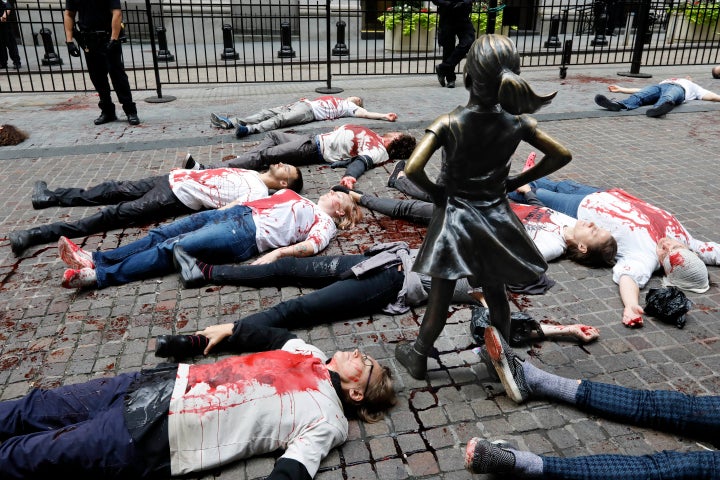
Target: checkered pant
[[678, 413]]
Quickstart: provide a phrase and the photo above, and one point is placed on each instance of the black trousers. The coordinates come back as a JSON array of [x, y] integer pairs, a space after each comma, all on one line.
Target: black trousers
[[8, 45], [452, 26], [140, 201], [102, 63]]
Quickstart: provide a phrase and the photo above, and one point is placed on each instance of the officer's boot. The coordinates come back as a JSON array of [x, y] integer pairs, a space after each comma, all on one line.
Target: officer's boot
[[22, 239]]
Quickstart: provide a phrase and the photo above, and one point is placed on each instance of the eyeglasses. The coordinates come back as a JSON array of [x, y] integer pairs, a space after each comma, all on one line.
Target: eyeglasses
[[365, 360]]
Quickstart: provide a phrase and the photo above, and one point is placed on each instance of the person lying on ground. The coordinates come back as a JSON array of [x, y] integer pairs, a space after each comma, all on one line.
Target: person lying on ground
[[663, 96], [346, 286], [303, 111], [175, 419], [151, 199], [554, 234], [648, 238], [675, 412], [354, 147], [284, 224]]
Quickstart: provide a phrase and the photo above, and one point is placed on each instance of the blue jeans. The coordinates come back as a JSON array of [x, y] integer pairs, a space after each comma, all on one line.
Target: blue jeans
[[675, 412], [655, 95], [76, 430], [564, 196], [214, 236]]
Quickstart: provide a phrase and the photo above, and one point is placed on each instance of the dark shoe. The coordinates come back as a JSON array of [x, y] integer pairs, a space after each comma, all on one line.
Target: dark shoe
[[660, 110], [608, 104], [190, 274], [19, 241], [220, 121], [241, 131], [105, 118], [180, 346], [42, 197], [451, 84], [133, 119], [440, 76], [482, 456], [4, 66], [414, 362], [16, 66], [191, 164], [507, 365], [399, 167]]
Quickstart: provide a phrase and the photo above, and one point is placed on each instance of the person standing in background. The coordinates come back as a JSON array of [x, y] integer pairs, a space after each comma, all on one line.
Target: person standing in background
[[7, 38], [99, 27], [454, 22]]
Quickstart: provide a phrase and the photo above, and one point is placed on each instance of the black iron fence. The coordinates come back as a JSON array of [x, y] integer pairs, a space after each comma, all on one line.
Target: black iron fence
[[176, 42]]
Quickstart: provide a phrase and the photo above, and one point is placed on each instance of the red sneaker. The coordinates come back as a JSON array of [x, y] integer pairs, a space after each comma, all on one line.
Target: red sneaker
[[530, 162], [79, 278]]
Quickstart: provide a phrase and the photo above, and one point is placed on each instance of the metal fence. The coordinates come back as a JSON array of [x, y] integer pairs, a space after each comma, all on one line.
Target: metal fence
[[176, 42]]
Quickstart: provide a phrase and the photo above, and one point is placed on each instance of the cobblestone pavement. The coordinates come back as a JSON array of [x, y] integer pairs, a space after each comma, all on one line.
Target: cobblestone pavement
[[52, 336]]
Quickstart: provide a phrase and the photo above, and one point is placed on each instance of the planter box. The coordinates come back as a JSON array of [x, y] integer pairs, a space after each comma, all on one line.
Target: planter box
[[420, 40], [682, 30]]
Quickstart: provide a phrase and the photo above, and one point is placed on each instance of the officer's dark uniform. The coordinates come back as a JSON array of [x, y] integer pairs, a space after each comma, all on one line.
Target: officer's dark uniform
[[454, 22], [103, 57], [7, 40]]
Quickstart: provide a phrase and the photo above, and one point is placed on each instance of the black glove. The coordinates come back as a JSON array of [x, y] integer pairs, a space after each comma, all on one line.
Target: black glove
[[113, 45], [73, 49]]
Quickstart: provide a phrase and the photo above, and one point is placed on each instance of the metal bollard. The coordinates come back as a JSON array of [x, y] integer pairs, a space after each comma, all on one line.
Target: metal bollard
[[50, 57], [229, 52], [566, 52], [553, 41], [340, 49], [286, 50], [163, 53]]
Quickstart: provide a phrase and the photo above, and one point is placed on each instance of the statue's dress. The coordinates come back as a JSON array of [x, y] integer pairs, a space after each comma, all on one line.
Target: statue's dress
[[473, 232]]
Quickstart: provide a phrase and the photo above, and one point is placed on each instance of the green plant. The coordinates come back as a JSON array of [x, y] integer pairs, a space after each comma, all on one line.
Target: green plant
[[702, 13], [408, 18], [479, 16]]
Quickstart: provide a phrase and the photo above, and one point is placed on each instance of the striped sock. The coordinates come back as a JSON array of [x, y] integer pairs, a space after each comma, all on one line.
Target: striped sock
[[205, 268]]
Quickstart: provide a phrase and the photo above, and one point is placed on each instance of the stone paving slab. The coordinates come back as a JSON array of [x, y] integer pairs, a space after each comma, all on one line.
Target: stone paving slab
[[52, 336]]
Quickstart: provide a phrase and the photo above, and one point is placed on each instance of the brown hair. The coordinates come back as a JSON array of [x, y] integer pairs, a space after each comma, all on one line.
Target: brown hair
[[11, 135], [601, 256], [402, 147], [380, 396]]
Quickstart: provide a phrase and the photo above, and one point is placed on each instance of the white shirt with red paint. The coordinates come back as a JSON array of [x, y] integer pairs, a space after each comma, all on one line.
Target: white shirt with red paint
[[545, 227], [285, 218], [693, 91], [637, 227], [349, 141], [215, 188], [250, 405], [329, 108]]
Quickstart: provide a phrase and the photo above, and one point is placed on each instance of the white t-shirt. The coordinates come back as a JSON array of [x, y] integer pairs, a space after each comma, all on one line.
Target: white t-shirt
[[330, 108], [216, 187], [637, 227], [254, 404], [349, 141], [285, 218], [545, 227], [693, 91]]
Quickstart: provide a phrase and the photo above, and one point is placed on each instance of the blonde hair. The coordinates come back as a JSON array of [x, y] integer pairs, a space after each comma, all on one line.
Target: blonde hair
[[353, 215], [492, 75], [380, 396]]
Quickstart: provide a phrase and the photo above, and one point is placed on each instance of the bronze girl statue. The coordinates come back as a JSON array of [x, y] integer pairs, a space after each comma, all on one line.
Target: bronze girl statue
[[473, 232]]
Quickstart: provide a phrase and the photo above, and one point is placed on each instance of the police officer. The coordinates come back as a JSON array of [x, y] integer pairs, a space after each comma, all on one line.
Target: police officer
[[98, 32], [454, 22]]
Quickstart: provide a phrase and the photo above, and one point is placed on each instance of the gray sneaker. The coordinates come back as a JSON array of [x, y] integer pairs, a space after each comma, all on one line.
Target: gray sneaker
[[507, 365], [482, 456], [220, 121]]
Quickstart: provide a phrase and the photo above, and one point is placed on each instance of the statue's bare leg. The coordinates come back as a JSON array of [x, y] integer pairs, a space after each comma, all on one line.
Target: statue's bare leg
[[498, 308]]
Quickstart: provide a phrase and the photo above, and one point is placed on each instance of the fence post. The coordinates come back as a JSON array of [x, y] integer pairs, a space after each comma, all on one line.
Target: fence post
[[163, 52], [286, 50], [229, 52], [329, 89], [566, 52], [340, 49], [643, 15], [50, 57], [553, 41], [156, 67]]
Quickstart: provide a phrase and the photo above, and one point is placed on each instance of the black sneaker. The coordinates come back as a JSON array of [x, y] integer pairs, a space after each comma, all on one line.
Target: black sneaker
[[190, 163], [440, 76], [660, 110], [507, 365], [482, 456], [608, 104], [399, 167], [451, 84]]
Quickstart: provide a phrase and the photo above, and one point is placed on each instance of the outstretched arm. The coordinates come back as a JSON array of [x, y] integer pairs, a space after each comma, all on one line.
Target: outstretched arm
[[241, 337], [619, 89], [362, 113], [711, 97], [305, 248], [629, 294]]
